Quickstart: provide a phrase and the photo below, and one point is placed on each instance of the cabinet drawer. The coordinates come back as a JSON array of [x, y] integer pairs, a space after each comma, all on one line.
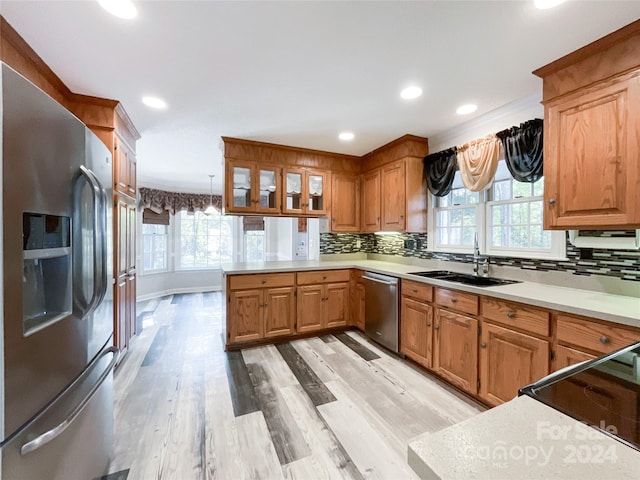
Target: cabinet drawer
[[460, 301], [323, 276], [517, 315], [243, 282], [417, 290], [599, 337]]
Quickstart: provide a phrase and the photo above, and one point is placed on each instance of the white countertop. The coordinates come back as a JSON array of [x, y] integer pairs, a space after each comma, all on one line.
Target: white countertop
[[522, 439], [604, 306]]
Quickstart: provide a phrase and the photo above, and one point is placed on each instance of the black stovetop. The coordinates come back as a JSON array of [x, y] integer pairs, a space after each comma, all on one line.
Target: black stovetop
[[604, 393]]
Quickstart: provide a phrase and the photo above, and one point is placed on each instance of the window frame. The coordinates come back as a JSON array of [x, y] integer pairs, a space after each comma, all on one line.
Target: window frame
[[483, 228], [179, 267], [167, 249]]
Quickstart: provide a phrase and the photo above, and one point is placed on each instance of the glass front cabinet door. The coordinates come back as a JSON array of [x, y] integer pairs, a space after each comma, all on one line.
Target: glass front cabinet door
[[305, 192], [268, 199], [252, 188]]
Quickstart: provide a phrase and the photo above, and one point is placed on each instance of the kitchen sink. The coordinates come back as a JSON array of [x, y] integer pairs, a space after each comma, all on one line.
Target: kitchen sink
[[465, 279]]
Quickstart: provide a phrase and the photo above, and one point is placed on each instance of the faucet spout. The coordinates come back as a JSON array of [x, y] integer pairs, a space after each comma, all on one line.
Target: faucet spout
[[479, 260]]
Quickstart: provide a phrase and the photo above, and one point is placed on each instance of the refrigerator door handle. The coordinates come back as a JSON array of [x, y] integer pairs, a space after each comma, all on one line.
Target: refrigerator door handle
[[99, 240], [50, 435]]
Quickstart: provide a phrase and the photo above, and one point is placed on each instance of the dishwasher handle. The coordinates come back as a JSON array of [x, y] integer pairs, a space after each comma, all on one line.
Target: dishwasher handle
[[377, 280]]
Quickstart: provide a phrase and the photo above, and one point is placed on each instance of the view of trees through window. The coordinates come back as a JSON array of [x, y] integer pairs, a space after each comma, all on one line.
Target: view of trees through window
[[205, 241]]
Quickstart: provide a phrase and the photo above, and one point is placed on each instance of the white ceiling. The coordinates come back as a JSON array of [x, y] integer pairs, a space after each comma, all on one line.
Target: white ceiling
[[298, 73]]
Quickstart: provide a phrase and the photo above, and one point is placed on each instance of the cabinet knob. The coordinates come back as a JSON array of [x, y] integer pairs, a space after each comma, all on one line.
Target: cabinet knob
[[454, 300], [415, 290], [511, 314], [483, 345], [436, 327], [604, 340], [552, 201], [324, 277], [264, 281], [428, 324]]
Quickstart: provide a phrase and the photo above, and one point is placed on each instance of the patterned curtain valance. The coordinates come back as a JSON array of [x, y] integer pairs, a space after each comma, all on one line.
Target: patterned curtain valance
[[523, 150], [439, 170], [478, 162], [158, 200]]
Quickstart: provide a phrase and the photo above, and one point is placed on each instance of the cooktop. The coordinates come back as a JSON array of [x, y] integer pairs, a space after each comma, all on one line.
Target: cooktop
[[604, 393]]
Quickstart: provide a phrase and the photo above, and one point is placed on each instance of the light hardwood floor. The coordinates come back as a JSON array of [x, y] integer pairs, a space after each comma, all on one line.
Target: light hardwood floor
[[322, 408]]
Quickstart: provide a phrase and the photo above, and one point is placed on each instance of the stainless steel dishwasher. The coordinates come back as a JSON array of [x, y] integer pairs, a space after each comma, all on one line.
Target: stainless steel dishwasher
[[381, 309]]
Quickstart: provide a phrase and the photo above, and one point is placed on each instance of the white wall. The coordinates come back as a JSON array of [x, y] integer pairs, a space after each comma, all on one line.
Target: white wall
[[168, 283], [509, 115]]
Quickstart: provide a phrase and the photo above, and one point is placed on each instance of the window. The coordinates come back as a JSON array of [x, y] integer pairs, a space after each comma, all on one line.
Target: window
[[507, 217], [154, 247], [457, 217], [254, 246], [204, 241]]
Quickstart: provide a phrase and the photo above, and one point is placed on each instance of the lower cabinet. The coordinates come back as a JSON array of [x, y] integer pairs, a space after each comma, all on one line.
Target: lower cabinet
[[261, 313], [359, 301], [416, 339], [566, 356], [455, 350], [323, 306], [509, 360]]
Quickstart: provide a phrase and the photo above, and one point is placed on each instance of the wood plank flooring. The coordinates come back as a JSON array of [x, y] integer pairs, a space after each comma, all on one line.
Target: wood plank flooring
[[335, 407]]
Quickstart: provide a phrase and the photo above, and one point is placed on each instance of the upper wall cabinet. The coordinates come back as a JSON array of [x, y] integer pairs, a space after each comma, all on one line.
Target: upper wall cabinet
[[592, 135], [252, 188], [306, 192], [394, 195], [345, 203]]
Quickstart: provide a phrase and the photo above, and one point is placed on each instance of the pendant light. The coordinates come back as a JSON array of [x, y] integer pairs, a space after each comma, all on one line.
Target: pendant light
[[210, 210]]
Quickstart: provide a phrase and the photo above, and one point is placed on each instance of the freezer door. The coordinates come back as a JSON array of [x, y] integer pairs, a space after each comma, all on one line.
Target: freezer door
[[73, 437]]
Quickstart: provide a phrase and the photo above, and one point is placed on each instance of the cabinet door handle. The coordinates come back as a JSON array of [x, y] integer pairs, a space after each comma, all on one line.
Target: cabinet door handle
[[511, 314], [483, 345], [436, 327], [324, 277], [264, 281], [604, 340], [428, 324], [401, 216], [415, 290], [454, 300], [552, 201]]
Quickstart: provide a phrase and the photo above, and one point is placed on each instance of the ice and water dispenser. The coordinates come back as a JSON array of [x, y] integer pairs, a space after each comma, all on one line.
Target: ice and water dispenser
[[46, 282]]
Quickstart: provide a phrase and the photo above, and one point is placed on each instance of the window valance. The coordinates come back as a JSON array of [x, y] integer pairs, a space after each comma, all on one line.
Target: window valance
[[478, 162], [158, 201], [439, 170], [523, 150]]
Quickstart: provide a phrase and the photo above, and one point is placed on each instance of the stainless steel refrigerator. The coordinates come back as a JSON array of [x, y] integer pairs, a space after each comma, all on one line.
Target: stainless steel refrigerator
[[56, 389]]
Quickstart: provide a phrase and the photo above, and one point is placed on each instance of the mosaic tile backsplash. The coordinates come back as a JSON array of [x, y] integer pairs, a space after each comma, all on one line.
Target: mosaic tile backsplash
[[624, 264]]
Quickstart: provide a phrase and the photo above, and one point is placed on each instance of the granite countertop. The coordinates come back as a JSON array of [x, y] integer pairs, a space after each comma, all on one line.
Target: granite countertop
[[522, 439], [604, 306]]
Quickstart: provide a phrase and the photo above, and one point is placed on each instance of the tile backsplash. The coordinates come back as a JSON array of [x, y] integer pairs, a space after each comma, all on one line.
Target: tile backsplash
[[623, 264]]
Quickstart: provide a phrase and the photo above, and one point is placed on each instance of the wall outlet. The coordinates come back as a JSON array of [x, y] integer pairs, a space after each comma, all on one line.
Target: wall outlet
[[411, 244], [358, 243]]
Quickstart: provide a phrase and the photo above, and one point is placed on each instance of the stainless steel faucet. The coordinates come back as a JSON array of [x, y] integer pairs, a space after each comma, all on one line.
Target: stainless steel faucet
[[480, 262]]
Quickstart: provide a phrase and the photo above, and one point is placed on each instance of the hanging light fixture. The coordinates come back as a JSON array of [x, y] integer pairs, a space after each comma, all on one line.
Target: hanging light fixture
[[210, 210]]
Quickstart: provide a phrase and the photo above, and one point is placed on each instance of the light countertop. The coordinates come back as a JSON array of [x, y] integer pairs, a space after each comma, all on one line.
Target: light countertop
[[604, 306], [522, 439]]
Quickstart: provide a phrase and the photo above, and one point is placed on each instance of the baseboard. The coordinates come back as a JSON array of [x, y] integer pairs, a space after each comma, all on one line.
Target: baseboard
[[176, 291]]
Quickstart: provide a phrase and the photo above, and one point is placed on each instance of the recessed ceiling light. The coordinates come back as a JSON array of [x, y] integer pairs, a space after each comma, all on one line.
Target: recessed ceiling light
[[346, 136], [411, 92], [154, 102], [120, 8], [545, 4], [466, 109]]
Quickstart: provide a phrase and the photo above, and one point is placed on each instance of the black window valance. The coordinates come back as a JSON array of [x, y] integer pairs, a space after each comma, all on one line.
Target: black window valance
[[439, 170], [523, 150]]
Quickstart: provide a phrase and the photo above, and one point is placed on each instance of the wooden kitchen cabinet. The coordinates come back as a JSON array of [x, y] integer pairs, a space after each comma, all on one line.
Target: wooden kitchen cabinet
[[359, 300], [592, 135], [345, 203], [393, 196], [371, 202], [416, 331], [306, 191], [323, 299], [455, 349], [260, 306], [591, 336], [509, 360], [124, 174], [124, 223], [252, 187], [567, 356]]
